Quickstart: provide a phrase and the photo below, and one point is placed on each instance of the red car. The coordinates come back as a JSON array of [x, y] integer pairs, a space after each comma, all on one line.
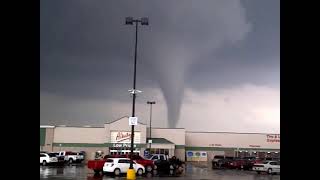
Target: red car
[[237, 164], [97, 165], [148, 164], [243, 163]]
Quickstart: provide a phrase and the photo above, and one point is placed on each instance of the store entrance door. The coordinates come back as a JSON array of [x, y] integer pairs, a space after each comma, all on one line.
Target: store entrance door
[[121, 151]]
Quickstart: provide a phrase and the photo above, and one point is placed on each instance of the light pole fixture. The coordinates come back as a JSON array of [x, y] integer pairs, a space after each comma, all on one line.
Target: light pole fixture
[[134, 91], [150, 102]]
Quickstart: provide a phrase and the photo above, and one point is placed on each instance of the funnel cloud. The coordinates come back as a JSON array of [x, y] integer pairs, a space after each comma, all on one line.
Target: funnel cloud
[[207, 28]]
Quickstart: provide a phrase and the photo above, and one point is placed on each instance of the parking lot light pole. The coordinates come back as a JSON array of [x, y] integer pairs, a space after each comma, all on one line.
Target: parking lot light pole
[[150, 102], [130, 21]]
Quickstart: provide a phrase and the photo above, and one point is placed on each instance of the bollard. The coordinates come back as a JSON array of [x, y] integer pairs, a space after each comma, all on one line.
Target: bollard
[[131, 174]]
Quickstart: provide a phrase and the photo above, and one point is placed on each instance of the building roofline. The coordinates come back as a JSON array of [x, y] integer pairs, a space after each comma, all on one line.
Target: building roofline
[[46, 126], [116, 119], [120, 119], [166, 140], [164, 128], [81, 126], [228, 132]]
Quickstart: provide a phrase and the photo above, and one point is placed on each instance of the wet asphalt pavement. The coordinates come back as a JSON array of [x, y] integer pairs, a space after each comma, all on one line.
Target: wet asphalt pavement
[[193, 171]]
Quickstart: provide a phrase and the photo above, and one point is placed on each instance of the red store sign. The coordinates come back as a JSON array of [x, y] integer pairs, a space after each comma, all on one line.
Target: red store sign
[[273, 138]]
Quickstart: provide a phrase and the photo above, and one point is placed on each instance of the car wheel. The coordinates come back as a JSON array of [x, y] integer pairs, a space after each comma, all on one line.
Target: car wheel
[[117, 172], [149, 168], [44, 163], [269, 171], [258, 172], [140, 172], [70, 161]]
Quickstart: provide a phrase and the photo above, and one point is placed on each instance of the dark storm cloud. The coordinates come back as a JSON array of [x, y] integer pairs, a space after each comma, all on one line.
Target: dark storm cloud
[[87, 51], [254, 60]]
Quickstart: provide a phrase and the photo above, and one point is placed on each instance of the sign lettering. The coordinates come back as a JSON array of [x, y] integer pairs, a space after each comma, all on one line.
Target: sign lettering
[[273, 138], [123, 136], [123, 145]]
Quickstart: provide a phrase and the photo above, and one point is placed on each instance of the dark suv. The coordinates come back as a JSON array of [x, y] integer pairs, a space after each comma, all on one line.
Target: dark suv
[[219, 162]]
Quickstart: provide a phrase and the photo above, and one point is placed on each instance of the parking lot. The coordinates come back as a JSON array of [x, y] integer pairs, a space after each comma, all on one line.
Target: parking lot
[[192, 171]]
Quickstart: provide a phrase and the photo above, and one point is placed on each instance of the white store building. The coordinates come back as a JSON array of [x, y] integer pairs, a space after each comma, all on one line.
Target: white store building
[[114, 138]]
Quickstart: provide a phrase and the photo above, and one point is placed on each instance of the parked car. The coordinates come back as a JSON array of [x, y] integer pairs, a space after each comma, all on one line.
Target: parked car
[[60, 158], [70, 157], [48, 158], [97, 165], [221, 162], [148, 164], [252, 161], [121, 165], [80, 156], [216, 158], [239, 163], [155, 157], [172, 166], [270, 167], [272, 159]]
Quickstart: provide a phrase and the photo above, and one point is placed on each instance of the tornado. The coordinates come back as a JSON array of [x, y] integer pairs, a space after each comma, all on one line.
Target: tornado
[[187, 35]]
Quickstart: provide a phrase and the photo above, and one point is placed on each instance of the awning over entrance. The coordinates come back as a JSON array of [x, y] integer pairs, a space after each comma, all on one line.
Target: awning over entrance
[[161, 146], [159, 141]]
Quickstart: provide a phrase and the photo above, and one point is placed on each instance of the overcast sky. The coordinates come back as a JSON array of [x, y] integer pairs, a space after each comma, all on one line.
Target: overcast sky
[[210, 65]]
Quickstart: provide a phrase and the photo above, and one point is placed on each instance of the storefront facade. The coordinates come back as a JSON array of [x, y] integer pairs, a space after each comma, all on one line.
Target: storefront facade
[[202, 146], [115, 138], [118, 137], [112, 138]]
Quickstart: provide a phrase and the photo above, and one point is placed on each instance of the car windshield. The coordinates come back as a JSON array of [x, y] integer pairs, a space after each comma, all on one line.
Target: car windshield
[[109, 160], [148, 157], [265, 162]]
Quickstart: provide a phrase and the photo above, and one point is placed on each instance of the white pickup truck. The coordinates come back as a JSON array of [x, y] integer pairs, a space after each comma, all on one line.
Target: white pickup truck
[[71, 157], [271, 167]]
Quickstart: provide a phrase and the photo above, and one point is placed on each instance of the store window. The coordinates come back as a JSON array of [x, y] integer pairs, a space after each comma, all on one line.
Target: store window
[[122, 151], [152, 151], [166, 151], [159, 151]]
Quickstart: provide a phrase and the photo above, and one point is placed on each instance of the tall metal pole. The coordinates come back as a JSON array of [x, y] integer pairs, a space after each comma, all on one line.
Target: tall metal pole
[[150, 125], [134, 95], [150, 136]]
